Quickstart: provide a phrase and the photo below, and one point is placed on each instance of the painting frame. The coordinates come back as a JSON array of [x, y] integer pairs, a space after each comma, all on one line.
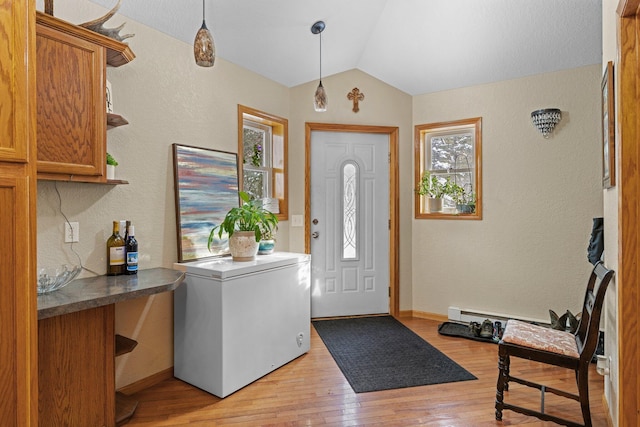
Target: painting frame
[[206, 188], [608, 129]]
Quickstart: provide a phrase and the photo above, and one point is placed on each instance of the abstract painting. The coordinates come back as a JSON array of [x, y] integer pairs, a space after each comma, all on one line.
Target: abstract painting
[[206, 187]]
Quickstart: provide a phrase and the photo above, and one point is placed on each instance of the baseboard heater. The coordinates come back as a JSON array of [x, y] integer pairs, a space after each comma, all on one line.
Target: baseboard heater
[[466, 316]]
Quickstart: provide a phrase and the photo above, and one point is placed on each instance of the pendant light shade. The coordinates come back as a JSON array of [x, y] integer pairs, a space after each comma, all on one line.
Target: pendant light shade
[[204, 50], [320, 100]]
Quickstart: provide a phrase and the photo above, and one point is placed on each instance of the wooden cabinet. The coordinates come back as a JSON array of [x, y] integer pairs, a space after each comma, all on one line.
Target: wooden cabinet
[[71, 99], [76, 368], [77, 346], [18, 333]]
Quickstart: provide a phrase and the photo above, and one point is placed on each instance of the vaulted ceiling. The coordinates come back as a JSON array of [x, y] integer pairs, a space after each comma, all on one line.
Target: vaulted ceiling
[[417, 46]]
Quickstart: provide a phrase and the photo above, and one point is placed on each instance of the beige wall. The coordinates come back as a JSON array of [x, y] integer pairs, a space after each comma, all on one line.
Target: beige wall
[[609, 53], [167, 99], [383, 105], [534, 190], [528, 254]]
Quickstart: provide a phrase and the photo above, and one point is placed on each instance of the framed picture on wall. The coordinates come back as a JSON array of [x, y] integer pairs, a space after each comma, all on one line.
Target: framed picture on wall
[[608, 129], [206, 188]]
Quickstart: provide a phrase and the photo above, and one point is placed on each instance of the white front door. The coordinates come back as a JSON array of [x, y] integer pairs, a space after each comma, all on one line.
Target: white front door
[[349, 223]]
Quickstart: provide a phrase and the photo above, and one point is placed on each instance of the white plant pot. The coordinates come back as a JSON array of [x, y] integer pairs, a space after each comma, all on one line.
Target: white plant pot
[[111, 172], [243, 246], [435, 205]]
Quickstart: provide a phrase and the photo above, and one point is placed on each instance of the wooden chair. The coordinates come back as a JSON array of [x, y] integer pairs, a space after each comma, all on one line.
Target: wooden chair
[[559, 348]]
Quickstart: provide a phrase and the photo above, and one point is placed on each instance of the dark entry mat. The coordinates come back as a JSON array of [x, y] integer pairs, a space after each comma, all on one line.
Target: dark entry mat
[[380, 353], [453, 329]]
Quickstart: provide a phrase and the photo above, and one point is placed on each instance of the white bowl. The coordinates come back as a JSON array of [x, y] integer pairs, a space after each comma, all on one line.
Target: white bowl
[[53, 278]]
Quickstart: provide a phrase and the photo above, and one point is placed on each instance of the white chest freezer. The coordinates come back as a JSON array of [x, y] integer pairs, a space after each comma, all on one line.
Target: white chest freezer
[[235, 322]]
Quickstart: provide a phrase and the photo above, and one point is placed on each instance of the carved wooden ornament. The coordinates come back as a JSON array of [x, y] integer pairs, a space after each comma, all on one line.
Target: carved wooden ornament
[[356, 97]]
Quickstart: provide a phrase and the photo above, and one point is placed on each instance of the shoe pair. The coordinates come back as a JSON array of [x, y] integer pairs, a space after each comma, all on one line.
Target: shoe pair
[[487, 329]]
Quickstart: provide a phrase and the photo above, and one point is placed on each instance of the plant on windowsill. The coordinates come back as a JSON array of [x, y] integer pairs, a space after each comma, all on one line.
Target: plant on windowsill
[[111, 167], [435, 189], [465, 200], [245, 226]]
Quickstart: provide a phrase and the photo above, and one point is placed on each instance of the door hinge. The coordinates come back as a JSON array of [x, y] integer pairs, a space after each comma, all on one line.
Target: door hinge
[[389, 157], [389, 291], [389, 224]]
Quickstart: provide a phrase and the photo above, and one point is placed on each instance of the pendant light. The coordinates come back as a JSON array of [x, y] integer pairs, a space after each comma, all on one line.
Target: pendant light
[[320, 100], [204, 49]]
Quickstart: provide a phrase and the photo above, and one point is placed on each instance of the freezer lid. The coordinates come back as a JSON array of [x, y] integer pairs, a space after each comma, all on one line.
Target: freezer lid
[[225, 267]]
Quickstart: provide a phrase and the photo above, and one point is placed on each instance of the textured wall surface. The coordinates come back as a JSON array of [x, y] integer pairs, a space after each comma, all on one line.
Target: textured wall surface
[[167, 99], [528, 254], [383, 105], [539, 195]]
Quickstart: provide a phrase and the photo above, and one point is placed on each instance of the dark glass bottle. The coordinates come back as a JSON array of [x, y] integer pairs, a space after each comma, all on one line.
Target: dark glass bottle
[[132, 251], [115, 252], [126, 230]]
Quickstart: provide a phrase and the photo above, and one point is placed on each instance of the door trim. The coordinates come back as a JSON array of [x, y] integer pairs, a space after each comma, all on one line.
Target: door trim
[[394, 208], [628, 123]]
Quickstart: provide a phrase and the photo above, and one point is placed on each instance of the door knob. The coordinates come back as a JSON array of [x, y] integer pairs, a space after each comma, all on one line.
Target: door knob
[[315, 234]]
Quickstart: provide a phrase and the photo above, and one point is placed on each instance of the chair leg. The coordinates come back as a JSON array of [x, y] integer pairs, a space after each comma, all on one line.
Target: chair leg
[[507, 364], [582, 376], [503, 375]]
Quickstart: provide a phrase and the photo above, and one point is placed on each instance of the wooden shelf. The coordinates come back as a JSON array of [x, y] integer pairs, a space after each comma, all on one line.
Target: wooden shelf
[[83, 179], [125, 407], [115, 120], [124, 345], [115, 182]]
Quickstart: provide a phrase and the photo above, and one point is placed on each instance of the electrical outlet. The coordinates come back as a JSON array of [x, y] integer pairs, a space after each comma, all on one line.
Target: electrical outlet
[[71, 232]]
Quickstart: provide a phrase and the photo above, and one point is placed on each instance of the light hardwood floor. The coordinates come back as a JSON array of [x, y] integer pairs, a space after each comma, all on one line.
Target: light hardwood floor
[[311, 391]]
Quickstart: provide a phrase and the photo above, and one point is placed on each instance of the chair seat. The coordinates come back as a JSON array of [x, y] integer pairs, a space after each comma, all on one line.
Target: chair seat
[[540, 338]]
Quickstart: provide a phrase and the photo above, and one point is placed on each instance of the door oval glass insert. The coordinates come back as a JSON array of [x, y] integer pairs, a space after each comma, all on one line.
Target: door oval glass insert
[[349, 211]]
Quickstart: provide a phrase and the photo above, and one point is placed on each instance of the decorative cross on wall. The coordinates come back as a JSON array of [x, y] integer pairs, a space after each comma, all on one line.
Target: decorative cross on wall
[[356, 97]]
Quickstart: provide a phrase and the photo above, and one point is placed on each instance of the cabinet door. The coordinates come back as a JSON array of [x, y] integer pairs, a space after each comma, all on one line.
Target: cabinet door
[[18, 333], [71, 124], [14, 123]]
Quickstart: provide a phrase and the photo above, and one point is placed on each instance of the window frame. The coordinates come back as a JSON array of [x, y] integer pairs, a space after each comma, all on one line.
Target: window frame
[[279, 136], [421, 132]]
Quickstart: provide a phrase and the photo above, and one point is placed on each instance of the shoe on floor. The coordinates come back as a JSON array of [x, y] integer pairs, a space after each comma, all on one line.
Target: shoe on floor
[[486, 330], [474, 327]]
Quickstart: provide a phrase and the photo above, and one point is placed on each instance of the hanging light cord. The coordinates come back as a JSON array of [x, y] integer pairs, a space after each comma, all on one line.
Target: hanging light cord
[[320, 57], [202, 10]]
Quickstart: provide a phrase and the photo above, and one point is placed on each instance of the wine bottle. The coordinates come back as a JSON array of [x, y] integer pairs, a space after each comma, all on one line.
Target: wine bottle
[[132, 251], [126, 230], [115, 252]]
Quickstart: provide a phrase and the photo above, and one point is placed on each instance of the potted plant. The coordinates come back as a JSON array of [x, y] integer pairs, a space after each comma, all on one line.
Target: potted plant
[[435, 188], [267, 242], [245, 226], [465, 201], [111, 167]]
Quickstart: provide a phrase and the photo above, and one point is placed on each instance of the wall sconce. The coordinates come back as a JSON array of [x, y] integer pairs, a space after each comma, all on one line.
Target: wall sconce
[[546, 119], [320, 99], [204, 50]]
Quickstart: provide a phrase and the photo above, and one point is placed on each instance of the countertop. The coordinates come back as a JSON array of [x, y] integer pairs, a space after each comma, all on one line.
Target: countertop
[[98, 291]]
